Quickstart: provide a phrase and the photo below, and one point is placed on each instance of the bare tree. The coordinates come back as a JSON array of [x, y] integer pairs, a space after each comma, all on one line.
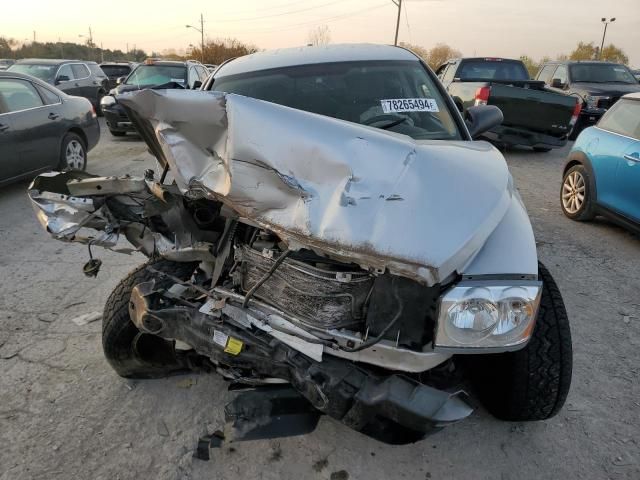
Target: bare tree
[[319, 36]]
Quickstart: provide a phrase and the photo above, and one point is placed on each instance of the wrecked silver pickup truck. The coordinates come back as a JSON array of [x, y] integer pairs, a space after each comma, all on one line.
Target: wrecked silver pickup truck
[[331, 224]]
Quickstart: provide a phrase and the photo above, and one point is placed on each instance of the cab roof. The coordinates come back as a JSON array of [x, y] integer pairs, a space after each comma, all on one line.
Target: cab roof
[[289, 57]]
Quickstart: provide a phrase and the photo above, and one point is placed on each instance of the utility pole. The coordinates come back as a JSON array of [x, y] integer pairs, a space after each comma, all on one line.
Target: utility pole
[[201, 30], [604, 20], [202, 36], [34, 36], [397, 3], [101, 53]]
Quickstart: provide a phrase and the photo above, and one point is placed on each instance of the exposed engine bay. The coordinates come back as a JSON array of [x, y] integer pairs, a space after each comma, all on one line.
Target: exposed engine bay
[[267, 274]]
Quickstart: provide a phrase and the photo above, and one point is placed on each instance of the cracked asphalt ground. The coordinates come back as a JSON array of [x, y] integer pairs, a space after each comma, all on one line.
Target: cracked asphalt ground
[[65, 414]]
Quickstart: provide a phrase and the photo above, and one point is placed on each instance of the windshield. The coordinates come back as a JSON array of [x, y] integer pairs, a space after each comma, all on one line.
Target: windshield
[[394, 95], [157, 75], [492, 70], [43, 72], [601, 73]]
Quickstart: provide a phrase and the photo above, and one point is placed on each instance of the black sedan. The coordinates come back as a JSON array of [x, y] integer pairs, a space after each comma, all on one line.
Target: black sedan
[[42, 128]]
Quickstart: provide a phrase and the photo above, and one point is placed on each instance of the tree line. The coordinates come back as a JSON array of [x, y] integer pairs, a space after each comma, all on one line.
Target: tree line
[[215, 51]]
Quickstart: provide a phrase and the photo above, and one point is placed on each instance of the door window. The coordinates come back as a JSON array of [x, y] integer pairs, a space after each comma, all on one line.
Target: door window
[[80, 71], [449, 73], [193, 76], [546, 73], [623, 118], [561, 74], [18, 95], [65, 71], [49, 97]]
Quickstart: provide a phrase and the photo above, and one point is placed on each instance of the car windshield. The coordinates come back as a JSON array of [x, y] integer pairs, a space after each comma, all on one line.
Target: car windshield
[[116, 71], [601, 73], [157, 75], [43, 72], [396, 95], [492, 70]]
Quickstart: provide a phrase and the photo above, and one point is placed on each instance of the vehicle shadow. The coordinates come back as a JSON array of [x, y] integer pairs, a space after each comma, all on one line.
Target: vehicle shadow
[[17, 188]]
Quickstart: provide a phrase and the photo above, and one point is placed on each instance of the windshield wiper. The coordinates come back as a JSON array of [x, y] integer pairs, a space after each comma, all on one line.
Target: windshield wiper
[[392, 124]]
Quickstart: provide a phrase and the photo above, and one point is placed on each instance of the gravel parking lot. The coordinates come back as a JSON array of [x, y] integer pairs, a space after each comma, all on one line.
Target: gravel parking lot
[[65, 414]]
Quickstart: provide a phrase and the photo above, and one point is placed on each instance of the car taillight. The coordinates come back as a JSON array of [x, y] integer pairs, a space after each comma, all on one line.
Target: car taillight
[[482, 95], [93, 111], [576, 113]]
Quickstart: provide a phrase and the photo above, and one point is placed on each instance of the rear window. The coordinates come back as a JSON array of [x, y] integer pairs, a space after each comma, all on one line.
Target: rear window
[[398, 96], [491, 70], [116, 71], [623, 118]]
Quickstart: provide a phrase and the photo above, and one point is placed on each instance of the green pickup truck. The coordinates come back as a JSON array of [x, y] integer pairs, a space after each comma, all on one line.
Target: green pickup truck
[[533, 116]]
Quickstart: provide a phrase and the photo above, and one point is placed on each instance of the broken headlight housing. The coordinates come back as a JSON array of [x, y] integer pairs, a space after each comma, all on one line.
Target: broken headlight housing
[[486, 316]]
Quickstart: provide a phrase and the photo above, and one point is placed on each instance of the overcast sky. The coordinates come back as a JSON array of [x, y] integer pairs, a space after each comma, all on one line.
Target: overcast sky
[[506, 28]]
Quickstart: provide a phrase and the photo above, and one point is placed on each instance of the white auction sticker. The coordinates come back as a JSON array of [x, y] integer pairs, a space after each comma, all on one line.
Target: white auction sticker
[[409, 105], [220, 338]]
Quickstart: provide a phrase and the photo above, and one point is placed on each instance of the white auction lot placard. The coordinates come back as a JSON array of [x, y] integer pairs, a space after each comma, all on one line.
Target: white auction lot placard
[[409, 105]]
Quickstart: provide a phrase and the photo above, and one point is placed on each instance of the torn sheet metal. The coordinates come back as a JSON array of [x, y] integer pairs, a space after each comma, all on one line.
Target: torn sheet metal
[[420, 209]]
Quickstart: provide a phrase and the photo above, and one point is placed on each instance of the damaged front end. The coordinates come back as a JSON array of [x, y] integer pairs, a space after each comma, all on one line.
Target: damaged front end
[[322, 261]]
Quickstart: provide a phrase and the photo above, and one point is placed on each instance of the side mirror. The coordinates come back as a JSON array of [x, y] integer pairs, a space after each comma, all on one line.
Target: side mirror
[[119, 80], [557, 83], [61, 78], [197, 84], [482, 118]]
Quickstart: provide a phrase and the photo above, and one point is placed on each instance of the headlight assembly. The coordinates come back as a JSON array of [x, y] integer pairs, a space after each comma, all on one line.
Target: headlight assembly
[[487, 316], [594, 100], [107, 101]]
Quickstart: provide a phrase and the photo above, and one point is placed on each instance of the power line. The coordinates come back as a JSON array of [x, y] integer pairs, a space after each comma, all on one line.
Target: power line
[[261, 17], [322, 20], [406, 17]]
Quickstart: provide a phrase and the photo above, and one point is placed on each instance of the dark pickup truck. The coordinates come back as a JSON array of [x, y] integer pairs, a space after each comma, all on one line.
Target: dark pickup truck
[[598, 85], [533, 116]]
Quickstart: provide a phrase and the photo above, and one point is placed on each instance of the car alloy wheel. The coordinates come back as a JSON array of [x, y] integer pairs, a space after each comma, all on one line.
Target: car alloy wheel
[[573, 192], [74, 155]]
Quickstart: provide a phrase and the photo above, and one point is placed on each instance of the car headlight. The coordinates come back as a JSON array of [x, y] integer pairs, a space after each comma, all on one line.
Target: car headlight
[[488, 316], [107, 101], [593, 100]]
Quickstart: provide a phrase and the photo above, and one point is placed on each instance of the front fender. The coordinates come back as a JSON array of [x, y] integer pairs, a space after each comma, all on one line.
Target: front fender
[[511, 247]]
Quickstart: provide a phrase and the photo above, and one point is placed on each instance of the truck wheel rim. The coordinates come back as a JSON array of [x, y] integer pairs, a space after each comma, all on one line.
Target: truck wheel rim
[[573, 192], [74, 155]]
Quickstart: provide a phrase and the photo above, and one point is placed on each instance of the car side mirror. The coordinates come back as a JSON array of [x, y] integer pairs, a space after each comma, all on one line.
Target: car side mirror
[[197, 84], [119, 80], [482, 118], [62, 78], [557, 83]]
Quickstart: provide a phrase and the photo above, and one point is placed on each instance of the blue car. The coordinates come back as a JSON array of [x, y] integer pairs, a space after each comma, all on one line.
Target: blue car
[[602, 173]]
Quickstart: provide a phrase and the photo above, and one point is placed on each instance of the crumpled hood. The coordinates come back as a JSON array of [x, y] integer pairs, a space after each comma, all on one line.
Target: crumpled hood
[[421, 209]]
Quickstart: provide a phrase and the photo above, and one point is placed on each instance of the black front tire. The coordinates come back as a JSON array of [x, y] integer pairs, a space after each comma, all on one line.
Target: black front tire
[[541, 149], [131, 353], [532, 383]]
